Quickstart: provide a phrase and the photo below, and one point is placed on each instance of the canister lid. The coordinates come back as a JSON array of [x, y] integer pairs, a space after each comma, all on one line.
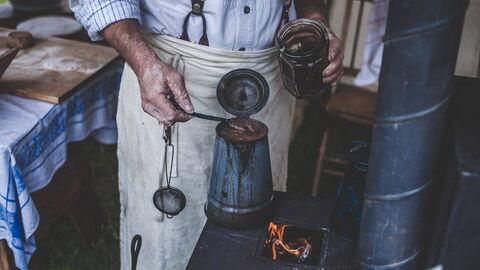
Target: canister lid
[[242, 92]]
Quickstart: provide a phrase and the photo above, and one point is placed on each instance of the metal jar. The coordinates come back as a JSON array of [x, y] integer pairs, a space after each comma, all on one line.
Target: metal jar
[[241, 189], [303, 46]]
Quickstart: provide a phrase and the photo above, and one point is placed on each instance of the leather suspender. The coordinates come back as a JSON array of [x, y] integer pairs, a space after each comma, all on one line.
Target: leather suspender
[[197, 10], [285, 10]]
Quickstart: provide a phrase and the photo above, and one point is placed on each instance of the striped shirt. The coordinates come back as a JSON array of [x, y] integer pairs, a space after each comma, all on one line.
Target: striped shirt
[[231, 24]]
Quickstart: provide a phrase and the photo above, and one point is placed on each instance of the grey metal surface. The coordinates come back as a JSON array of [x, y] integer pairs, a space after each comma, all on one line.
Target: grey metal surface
[[455, 240], [421, 45], [222, 248]]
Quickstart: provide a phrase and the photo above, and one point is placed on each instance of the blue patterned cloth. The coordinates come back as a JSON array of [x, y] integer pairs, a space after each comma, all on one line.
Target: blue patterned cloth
[[33, 146]]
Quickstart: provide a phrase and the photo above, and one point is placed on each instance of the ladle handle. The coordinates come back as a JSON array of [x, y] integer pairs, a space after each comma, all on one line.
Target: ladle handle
[[194, 114], [208, 117], [135, 247]]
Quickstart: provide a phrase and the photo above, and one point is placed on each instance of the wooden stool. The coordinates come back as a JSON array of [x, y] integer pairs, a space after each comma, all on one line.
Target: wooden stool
[[349, 103]]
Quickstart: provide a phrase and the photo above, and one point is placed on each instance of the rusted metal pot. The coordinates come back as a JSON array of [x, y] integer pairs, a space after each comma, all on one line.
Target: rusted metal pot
[[241, 189]]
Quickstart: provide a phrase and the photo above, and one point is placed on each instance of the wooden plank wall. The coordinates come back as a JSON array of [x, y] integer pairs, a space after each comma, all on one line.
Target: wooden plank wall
[[468, 63]]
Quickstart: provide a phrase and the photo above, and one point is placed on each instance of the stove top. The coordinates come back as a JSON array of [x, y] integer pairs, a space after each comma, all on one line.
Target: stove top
[[222, 248]]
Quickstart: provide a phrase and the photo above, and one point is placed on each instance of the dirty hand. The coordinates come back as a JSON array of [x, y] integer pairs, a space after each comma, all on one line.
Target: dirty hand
[[334, 72], [159, 81]]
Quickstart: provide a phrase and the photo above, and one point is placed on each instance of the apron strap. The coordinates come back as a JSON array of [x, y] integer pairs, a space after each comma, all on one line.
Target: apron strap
[[197, 9], [285, 10]]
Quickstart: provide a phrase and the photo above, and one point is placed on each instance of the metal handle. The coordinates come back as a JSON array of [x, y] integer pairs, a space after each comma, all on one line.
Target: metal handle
[[208, 117], [135, 247], [194, 114]]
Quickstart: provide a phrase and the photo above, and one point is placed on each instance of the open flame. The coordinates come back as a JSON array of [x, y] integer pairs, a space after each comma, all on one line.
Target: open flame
[[300, 247]]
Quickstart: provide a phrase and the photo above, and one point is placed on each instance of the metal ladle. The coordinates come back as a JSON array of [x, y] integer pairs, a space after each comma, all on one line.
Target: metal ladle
[[169, 200]]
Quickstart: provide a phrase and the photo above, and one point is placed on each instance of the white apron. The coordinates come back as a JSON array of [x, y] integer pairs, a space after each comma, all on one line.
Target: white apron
[[168, 243]]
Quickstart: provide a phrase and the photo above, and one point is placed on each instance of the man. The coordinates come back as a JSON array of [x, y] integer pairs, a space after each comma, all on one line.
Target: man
[[159, 41]]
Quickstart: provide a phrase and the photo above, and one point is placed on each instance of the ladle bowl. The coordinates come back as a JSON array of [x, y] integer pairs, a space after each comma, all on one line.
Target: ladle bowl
[[169, 200]]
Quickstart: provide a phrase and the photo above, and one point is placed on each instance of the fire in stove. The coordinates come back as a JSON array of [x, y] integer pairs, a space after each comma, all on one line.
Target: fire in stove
[[293, 244], [299, 247]]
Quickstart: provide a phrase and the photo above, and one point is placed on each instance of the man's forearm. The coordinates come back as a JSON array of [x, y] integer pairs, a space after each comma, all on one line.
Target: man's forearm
[[312, 9], [126, 38], [156, 79]]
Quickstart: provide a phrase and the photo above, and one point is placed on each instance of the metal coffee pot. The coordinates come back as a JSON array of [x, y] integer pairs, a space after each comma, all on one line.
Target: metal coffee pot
[[241, 190]]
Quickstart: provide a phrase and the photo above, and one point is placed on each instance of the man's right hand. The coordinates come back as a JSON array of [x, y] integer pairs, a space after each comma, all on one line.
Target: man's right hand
[[158, 81]]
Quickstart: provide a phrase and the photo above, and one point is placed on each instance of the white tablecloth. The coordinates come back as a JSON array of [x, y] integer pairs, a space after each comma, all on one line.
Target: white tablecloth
[[33, 145]]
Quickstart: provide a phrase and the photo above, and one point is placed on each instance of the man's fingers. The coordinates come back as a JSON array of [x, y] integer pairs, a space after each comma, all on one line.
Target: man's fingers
[[151, 110], [334, 66], [169, 111], [165, 112], [177, 86], [334, 78], [334, 47], [334, 71], [337, 74], [181, 116], [333, 52]]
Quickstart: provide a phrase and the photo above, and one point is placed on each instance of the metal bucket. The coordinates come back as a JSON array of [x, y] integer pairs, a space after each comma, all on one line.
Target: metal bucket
[[241, 189]]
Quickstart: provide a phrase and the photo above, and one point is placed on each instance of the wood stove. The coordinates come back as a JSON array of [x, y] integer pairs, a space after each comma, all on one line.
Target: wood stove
[[301, 217]]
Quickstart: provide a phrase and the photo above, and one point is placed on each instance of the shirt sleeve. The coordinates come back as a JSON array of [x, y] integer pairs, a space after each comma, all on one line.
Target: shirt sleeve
[[96, 15]]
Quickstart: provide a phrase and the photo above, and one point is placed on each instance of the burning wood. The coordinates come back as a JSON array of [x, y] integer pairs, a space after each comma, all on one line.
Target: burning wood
[[299, 247]]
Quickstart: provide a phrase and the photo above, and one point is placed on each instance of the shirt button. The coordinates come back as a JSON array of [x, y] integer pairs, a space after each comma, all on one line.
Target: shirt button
[[241, 49], [246, 10]]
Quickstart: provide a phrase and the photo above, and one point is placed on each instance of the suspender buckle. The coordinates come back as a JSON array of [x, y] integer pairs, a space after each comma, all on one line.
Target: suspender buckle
[[197, 10], [197, 6]]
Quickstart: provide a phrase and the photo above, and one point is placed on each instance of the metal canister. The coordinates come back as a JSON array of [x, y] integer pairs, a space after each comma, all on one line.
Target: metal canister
[[241, 189], [345, 220], [303, 46]]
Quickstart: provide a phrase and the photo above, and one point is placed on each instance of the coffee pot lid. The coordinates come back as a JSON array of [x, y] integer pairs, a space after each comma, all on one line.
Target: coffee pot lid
[[242, 92]]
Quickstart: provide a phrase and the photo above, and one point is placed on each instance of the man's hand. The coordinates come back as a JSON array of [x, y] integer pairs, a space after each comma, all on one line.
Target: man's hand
[[157, 84], [315, 9], [158, 81], [334, 72]]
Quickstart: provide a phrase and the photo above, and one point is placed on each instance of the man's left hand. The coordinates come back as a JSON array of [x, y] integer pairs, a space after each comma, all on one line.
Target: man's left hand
[[334, 72]]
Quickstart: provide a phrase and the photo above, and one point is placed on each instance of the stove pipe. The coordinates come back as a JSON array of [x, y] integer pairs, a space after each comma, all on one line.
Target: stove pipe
[[421, 45]]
